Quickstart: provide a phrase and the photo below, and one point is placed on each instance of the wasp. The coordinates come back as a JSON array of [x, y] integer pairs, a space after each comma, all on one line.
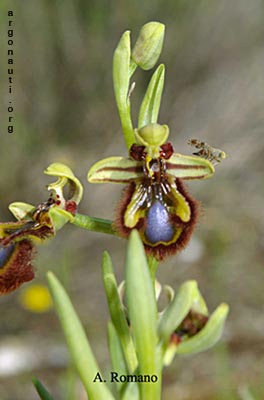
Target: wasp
[[206, 151]]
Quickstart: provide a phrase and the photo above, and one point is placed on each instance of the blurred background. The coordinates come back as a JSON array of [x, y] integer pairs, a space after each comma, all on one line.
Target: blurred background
[[64, 110]]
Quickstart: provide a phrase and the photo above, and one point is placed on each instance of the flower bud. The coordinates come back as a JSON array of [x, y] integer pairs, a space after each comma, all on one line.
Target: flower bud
[[148, 45]]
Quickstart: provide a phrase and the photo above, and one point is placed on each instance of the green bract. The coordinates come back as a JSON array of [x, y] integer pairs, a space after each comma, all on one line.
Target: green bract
[[149, 109], [121, 78]]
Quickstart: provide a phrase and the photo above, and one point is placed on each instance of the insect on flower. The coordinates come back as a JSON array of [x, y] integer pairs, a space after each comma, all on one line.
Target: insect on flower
[[155, 202], [206, 151]]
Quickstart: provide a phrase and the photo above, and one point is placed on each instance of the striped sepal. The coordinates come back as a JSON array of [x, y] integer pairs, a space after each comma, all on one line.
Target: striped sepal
[[116, 170], [189, 167]]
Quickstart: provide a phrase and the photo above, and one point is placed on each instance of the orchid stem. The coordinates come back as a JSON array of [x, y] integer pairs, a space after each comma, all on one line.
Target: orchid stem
[[94, 224], [153, 265]]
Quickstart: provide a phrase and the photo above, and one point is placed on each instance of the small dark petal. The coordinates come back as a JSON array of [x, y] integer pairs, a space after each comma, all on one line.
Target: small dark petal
[[71, 207], [16, 267], [137, 152], [166, 150]]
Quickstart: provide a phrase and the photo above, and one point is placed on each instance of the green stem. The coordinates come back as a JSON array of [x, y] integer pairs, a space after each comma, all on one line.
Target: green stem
[[94, 224], [153, 265]]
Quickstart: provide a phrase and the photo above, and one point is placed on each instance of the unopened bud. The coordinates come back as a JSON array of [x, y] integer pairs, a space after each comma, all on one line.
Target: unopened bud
[[148, 45]]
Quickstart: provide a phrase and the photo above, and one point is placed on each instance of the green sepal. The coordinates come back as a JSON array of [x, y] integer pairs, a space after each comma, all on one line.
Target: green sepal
[[21, 210], [209, 335], [42, 391], [142, 313], [148, 45], [77, 341], [116, 170], [149, 109], [177, 309], [121, 78], [117, 313], [59, 217], [65, 175], [189, 167]]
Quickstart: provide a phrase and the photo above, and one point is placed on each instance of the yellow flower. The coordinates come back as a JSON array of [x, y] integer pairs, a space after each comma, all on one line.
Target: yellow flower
[[36, 298]]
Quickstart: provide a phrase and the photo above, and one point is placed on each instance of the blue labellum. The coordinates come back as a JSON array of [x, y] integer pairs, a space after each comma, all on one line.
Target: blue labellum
[[159, 227], [5, 254]]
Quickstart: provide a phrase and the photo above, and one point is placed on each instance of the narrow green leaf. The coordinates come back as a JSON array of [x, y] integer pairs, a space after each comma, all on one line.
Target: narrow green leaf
[[189, 167], [42, 391], [131, 391], [121, 78], [77, 342], [116, 353], [117, 313], [115, 170], [209, 335], [177, 309], [150, 106], [142, 312]]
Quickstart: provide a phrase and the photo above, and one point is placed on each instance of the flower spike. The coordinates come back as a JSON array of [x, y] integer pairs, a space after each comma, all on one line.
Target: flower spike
[[155, 202]]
